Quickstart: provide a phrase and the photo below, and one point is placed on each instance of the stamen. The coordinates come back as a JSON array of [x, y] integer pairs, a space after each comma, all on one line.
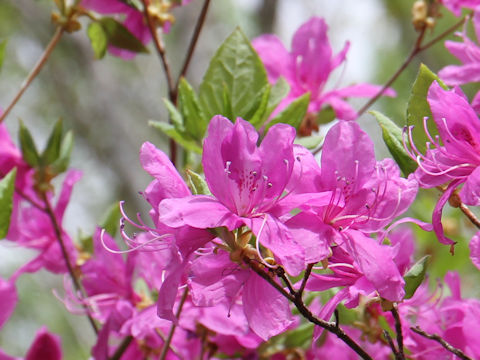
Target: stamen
[[257, 245]]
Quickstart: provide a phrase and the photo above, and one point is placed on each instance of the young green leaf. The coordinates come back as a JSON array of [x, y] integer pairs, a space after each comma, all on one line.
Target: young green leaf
[[119, 36], [3, 46], [63, 160], [415, 276], [27, 145], [392, 136], [98, 39], [418, 106], [194, 118], [171, 132], [260, 115], [7, 187], [52, 150], [111, 219], [235, 80], [175, 116], [293, 114], [197, 184], [279, 90], [310, 142]]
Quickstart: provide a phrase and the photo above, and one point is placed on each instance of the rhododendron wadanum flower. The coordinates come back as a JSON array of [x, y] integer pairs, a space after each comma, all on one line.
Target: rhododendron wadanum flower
[[456, 160], [307, 68], [247, 183]]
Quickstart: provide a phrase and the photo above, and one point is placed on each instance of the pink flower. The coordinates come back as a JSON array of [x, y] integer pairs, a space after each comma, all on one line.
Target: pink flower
[[468, 53], [367, 195], [307, 68], [247, 183], [455, 6], [44, 346], [457, 160], [215, 280], [8, 300]]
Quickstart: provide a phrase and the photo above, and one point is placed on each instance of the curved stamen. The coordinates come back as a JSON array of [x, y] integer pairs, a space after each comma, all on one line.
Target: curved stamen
[[139, 246], [257, 245], [446, 171]]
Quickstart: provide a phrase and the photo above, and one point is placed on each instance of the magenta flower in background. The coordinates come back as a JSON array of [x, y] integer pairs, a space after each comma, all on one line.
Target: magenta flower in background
[[307, 68], [468, 53], [8, 300], [456, 161], [455, 6], [45, 346]]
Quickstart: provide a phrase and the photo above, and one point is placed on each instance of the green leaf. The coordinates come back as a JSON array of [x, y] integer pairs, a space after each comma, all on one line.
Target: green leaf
[[52, 150], [197, 184], [299, 337], [310, 142], [277, 93], [326, 115], [235, 80], [194, 118], [63, 160], [119, 36], [27, 145], [260, 115], [171, 132], [415, 276], [98, 39], [418, 106], [293, 114], [111, 219], [392, 136], [3, 46], [7, 186], [175, 116]]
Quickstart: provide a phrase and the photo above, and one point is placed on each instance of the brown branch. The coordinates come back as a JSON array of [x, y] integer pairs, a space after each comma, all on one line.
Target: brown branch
[[417, 49], [58, 233], [193, 42], [166, 346], [459, 353], [308, 271], [390, 343], [166, 67], [470, 215], [122, 348], [398, 330], [35, 71], [306, 313]]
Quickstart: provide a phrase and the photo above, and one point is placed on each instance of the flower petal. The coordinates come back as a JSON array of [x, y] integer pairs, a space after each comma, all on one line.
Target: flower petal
[[267, 311]]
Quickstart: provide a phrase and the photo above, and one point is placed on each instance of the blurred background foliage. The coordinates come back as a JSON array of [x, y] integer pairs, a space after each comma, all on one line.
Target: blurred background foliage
[[108, 103]]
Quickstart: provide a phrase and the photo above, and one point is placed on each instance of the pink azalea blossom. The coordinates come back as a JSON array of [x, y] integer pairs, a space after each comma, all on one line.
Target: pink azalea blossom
[[8, 300], [308, 66], [367, 195], [215, 280], [44, 346], [455, 6], [475, 250], [468, 53], [134, 20], [456, 161], [247, 183]]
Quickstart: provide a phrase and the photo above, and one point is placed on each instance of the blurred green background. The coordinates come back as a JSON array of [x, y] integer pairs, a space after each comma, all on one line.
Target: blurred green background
[[108, 104]]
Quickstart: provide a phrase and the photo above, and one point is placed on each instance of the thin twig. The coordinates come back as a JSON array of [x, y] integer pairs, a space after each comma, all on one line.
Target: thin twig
[[58, 233], [470, 215], [459, 353], [390, 343], [281, 274], [308, 271], [337, 317], [397, 73], [122, 348], [193, 41], [35, 71], [398, 330], [168, 73], [306, 313], [417, 49], [160, 49], [166, 345]]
